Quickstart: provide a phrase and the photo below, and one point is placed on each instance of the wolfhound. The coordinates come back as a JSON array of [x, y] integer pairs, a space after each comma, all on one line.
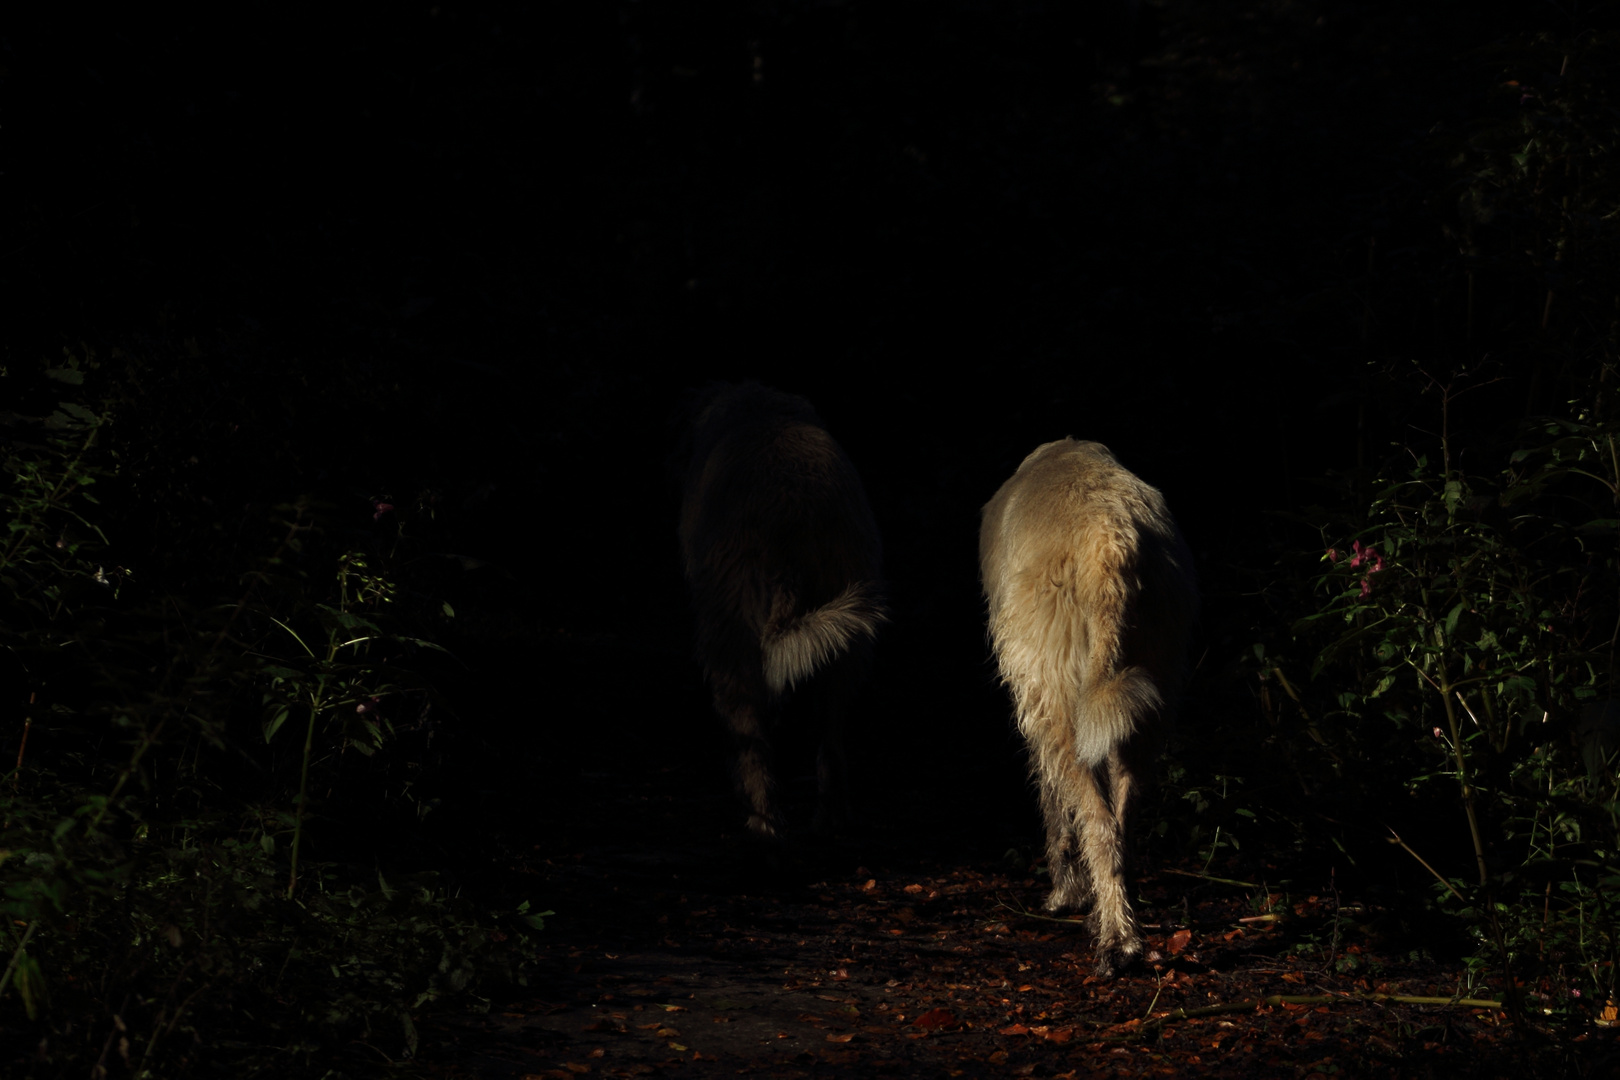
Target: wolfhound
[[1091, 596], [782, 557]]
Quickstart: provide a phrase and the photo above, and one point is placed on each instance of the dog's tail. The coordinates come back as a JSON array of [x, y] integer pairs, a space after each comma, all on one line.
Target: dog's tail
[[794, 647]]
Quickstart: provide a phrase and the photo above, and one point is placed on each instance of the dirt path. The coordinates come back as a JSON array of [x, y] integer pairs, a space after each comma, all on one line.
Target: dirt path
[[678, 950]]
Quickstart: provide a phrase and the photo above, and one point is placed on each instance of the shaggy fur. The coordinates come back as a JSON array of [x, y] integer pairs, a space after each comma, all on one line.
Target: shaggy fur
[[782, 558], [1091, 596]]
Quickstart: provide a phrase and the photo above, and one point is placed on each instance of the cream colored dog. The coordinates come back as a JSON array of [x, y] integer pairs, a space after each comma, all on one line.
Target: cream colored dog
[[782, 557], [1091, 594]]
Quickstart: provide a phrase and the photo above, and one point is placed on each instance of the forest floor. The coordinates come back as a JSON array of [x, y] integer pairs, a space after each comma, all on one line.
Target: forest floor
[[679, 950]]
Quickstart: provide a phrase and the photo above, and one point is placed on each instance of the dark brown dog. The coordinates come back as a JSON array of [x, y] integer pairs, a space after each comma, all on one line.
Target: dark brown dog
[[782, 557]]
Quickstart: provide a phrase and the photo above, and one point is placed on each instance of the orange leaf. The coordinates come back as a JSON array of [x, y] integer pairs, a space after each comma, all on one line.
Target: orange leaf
[[935, 1018], [913, 889], [848, 1035], [1178, 941], [1015, 1029]]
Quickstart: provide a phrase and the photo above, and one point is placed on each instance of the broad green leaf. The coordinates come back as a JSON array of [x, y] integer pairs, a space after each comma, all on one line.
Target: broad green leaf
[[273, 725], [1454, 615], [78, 412]]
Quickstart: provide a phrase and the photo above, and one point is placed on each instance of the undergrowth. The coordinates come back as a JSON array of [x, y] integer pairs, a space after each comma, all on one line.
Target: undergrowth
[[1448, 683], [221, 715]]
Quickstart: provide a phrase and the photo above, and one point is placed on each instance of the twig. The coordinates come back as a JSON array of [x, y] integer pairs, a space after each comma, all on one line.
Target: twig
[[1338, 907], [1157, 990], [1214, 843], [1044, 918], [22, 747], [1395, 838], [1210, 877], [1153, 1027], [1288, 688], [368, 1046]]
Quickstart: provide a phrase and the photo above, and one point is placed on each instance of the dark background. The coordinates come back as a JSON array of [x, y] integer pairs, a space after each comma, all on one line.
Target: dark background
[[959, 229]]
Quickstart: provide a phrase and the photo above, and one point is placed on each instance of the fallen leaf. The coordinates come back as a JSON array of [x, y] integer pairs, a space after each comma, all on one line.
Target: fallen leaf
[[1015, 1029], [998, 1058], [871, 884], [1060, 1035], [1178, 941], [669, 1008], [848, 1035], [935, 1018], [576, 1067], [913, 889], [668, 1033]]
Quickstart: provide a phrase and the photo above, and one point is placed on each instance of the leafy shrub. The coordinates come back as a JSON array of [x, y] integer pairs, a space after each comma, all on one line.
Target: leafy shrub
[[1453, 653], [183, 882]]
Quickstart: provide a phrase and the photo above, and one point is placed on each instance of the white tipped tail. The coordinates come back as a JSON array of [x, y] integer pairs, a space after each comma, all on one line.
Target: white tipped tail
[[794, 648], [1111, 710]]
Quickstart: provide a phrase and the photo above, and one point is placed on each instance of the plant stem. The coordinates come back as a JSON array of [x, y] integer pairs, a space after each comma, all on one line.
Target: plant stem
[[1467, 789], [1396, 839], [1447, 688], [1209, 877], [17, 953], [303, 784], [1152, 1027]]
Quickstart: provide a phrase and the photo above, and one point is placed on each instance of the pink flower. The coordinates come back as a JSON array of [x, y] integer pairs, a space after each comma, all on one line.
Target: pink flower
[[1333, 555], [1366, 586], [382, 508], [1437, 734], [1369, 555]]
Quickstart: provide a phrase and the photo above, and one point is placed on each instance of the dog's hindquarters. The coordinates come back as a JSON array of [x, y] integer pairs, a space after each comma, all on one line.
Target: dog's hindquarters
[[782, 557], [1090, 598]]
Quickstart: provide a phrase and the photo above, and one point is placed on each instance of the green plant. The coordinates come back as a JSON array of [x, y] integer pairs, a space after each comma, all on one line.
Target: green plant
[[1474, 616], [156, 917]]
